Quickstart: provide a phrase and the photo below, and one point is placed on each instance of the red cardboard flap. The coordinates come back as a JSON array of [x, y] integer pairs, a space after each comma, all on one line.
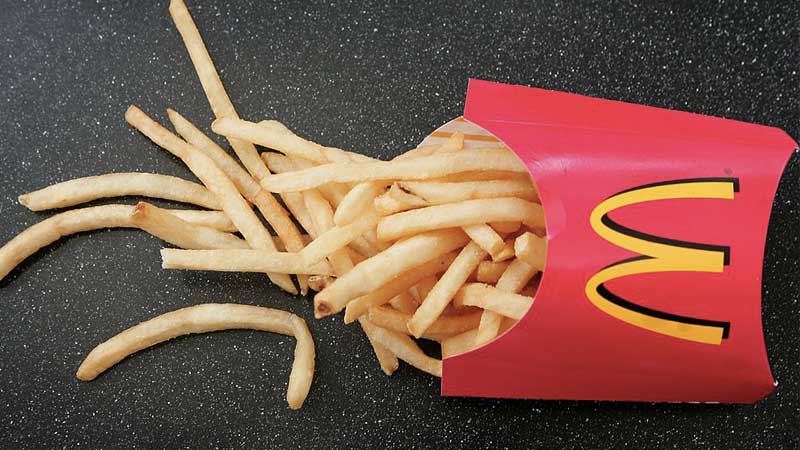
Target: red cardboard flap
[[656, 224]]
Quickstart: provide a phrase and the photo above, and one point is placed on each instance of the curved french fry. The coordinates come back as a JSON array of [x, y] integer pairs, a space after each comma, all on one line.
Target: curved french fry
[[86, 189], [203, 319]]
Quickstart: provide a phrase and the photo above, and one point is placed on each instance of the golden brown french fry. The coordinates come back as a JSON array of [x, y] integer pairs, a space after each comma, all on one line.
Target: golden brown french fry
[[441, 328], [460, 343], [85, 219], [532, 249], [490, 271], [160, 222], [86, 189], [208, 318], [217, 220], [486, 238], [468, 212], [381, 268], [357, 199], [54, 228], [404, 348], [395, 200], [246, 184], [404, 303], [488, 297], [336, 238], [238, 260], [234, 205], [409, 169], [437, 193], [212, 85], [445, 289], [514, 278], [334, 193], [388, 361], [506, 227], [272, 135], [396, 286], [363, 194], [322, 216], [506, 253]]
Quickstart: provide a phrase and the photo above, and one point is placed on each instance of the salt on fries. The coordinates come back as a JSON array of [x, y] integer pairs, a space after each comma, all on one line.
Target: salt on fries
[[206, 318], [440, 243]]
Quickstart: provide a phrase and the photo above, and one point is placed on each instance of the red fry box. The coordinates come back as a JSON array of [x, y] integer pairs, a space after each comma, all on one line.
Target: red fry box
[[656, 223]]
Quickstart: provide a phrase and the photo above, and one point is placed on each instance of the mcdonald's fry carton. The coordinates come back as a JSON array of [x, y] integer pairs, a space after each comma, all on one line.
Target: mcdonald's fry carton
[[656, 225]]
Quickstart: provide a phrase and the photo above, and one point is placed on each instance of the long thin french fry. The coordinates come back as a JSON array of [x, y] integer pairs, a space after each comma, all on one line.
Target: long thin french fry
[[86, 189], [442, 327], [381, 268], [396, 286], [425, 167], [513, 280], [388, 361], [203, 319], [405, 348], [160, 222], [487, 297], [217, 220], [237, 260], [212, 176], [468, 212], [212, 85], [436, 193], [446, 288]]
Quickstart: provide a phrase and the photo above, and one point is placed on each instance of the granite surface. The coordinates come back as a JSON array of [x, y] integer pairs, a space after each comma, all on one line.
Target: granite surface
[[375, 78]]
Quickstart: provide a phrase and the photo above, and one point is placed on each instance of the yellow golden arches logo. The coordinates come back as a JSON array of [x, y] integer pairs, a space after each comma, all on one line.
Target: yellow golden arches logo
[[659, 254]]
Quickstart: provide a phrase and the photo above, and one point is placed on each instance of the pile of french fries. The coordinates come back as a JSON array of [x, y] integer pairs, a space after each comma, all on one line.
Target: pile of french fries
[[443, 242]]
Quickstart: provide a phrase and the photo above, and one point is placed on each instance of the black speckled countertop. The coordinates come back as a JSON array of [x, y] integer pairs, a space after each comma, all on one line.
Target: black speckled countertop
[[371, 78]]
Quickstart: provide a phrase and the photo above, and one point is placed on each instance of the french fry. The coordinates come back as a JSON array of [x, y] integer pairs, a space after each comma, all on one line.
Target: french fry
[[437, 193], [404, 348], [208, 318], [396, 286], [506, 253], [212, 176], [514, 278], [395, 200], [460, 343], [357, 199], [468, 212], [212, 85], [506, 227], [237, 260], [388, 361], [487, 297], [404, 302], [410, 169], [336, 238], [272, 135], [441, 328], [85, 219], [217, 220], [86, 189], [162, 223], [381, 268], [486, 238], [334, 193], [246, 184], [445, 289], [490, 272], [532, 249], [322, 216], [363, 194]]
